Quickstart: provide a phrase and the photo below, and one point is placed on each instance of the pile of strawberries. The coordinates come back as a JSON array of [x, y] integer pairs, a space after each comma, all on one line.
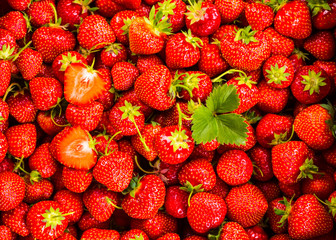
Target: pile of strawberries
[[167, 119]]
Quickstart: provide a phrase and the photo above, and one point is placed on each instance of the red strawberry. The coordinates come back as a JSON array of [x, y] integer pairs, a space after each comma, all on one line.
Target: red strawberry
[[257, 232], [224, 30], [73, 147], [277, 224], [15, 22], [312, 126], [258, 15], [6, 165], [95, 25], [198, 83], [41, 12], [76, 180], [3, 146], [145, 62], [108, 8], [246, 50], [100, 202], [183, 50], [292, 190], [146, 197], [261, 158], [229, 10], [5, 71], [234, 167], [12, 190], [29, 63], [45, 220], [66, 236], [19, 5], [37, 188], [121, 164], [112, 54], [233, 231], [321, 45], [96, 233], [5, 232], [134, 234], [246, 205], [206, 211], [87, 221], [176, 202], [47, 124], [298, 59], [280, 45], [321, 185], [124, 75], [82, 84], [293, 20], [323, 15], [15, 219], [42, 161], [270, 189]]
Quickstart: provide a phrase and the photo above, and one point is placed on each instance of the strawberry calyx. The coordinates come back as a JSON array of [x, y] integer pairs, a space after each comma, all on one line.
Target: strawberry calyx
[[280, 138], [313, 81], [300, 55], [137, 237], [67, 60], [178, 84], [191, 80], [113, 48], [276, 4], [167, 7], [195, 12], [158, 22], [194, 41], [6, 52], [53, 217], [85, 4], [284, 213], [317, 5], [244, 79], [178, 140], [331, 110], [214, 234], [330, 204], [133, 186], [35, 176], [245, 35], [251, 116], [127, 24], [27, 19], [58, 21], [277, 75], [188, 187], [308, 169]]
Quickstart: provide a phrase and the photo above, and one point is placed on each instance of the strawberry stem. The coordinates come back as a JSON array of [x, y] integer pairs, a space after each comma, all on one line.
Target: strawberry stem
[[308, 169], [219, 78], [109, 201], [143, 170]]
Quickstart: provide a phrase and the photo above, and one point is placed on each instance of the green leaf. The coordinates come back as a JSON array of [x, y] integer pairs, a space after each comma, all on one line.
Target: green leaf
[[231, 129], [223, 99], [204, 128]]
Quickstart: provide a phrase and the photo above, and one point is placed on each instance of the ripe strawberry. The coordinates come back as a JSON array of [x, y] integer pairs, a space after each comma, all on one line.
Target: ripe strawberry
[[47, 124], [258, 15], [3, 146], [121, 164], [234, 167], [277, 224], [95, 25], [321, 185], [96, 234], [70, 202], [82, 84], [229, 10], [183, 50], [293, 20], [280, 45], [323, 15], [156, 226], [67, 236], [197, 174], [100, 202], [15, 219], [145, 198], [310, 85], [45, 220], [73, 147], [5, 71], [312, 126], [76, 180], [19, 5], [198, 83], [272, 100], [15, 22], [328, 66], [203, 18], [87, 221], [246, 205], [86, 116], [108, 8], [176, 202], [206, 211], [134, 234], [42, 161], [246, 50], [12, 190], [21, 140], [256, 232], [29, 63], [6, 232], [298, 59], [321, 45], [124, 75], [41, 12], [270, 189], [6, 165], [145, 62], [112, 54], [37, 188], [233, 231], [292, 190]]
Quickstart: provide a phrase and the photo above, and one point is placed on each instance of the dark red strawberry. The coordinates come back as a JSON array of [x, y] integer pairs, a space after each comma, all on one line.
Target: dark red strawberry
[[262, 163], [3, 146], [176, 202], [124, 75], [16, 22], [87, 221], [112, 54], [323, 14], [51, 125], [37, 188], [15, 219]]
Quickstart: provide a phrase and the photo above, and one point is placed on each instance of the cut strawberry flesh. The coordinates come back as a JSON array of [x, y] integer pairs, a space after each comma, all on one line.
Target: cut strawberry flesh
[[82, 85]]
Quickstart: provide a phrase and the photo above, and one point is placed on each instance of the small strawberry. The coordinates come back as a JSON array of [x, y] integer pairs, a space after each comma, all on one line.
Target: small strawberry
[[6, 232], [29, 63], [12, 190], [145, 62], [87, 221], [206, 211], [112, 54], [51, 124], [37, 188], [134, 234], [41, 12], [15, 219], [16, 22], [108, 8], [321, 45], [233, 231], [322, 185], [121, 164], [323, 14], [261, 159], [76, 180], [277, 224], [229, 10], [298, 59], [270, 189], [124, 75], [280, 45], [256, 232], [246, 205], [176, 202], [96, 234], [258, 15]]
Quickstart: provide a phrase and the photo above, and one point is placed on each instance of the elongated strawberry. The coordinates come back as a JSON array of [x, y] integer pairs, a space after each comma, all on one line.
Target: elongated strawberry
[[121, 164], [12, 191], [15, 219], [73, 147], [29, 63], [82, 84], [176, 202]]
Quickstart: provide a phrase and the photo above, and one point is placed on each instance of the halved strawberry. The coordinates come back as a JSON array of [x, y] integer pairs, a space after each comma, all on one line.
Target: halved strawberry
[[82, 84], [73, 148]]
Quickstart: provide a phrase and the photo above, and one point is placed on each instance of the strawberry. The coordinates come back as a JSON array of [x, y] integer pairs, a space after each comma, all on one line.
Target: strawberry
[[156, 226], [12, 190], [170, 236], [145, 62], [29, 63], [258, 15], [145, 198], [206, 211], [105, 144], [5, 232], [37, 188], [82, 84], [100, 202], [256, 232], [278, 71], [203, 18], [86, 116], [246, 50], [321, 185], [274, 129], [310, 85], [277, 224], [73, 147], [270, 189], [5, 66], [321, 45], [45, 220], [87, 221], [174, 144], [323, 14], [129, 4], [197, 174], [292, 190], [121, 164], [76, 180], [112, 54], [312, 126], [19, 5], [124, 75], [48, 123], [246, 205], [66, 236], [15, 219], [176, 202], [183, 50], [293, 19], [234, 167], [298, 59], [108, 8], [134, 234], [3, 146], [70, 202], [198, 83], [280, 45], [21, 140], [233, 231], [328, 66], [15, 22], [229, 10], [96, 234], [41, 12]]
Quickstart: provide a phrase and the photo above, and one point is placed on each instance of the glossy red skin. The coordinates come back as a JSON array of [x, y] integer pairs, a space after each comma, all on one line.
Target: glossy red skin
[[124, 75], [144, 62], [101, 234], [87, 221], [71, 13], [15, 219], [109, 58], [76, 180], [21, 107], [328, 66], [134, 233], [202, 91], [321, 45], [41, 13], [208, 24], [177, 19], [321, 185], [325, 19], [12, 190], [105, 143], [229, 10], [165, 149], [108, 8], [261, 157], [5, 71], [3, 146], [46, 124], [176, 202], [280, 45], [38, 191], [6, 165], [257, 233], [233, 230], [7, 37], [270, 189], [281, 61], [259, 16], [14, 22], [274, 218]]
